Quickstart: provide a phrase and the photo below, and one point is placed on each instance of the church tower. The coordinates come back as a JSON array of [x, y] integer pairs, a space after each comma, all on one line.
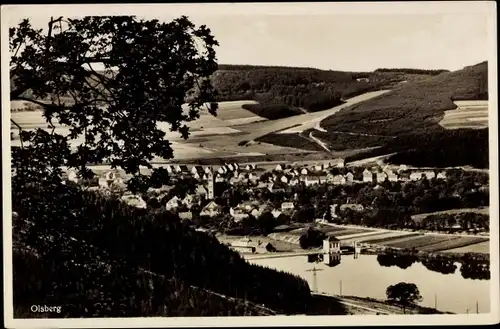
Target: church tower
[[211, 187]]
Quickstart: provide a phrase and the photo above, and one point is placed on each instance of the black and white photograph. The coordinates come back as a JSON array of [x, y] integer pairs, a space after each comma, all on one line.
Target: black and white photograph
[[250, 164]]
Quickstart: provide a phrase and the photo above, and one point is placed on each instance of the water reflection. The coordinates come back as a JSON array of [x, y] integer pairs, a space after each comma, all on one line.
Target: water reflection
[[472, 267]]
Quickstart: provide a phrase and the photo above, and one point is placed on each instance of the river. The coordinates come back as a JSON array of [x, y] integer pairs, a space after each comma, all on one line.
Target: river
[[365, 277]]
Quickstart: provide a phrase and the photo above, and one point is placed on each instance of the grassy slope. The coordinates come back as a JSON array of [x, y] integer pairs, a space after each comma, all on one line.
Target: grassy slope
[[417, 106], [407, 121]]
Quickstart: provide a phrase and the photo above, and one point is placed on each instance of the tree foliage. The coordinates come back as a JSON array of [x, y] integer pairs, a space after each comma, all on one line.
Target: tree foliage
[[404, 293], [110, 80]]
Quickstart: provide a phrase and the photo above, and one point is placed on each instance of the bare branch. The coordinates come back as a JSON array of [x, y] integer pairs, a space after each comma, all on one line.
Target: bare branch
[[20, 130]]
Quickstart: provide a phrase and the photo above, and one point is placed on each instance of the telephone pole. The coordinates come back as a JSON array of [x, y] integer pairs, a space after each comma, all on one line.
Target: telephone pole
[[340, 287], [315, 279], [435, 302], [477, 307]]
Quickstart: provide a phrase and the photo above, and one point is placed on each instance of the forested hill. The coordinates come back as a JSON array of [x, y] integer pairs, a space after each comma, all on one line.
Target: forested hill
[[286, 91], [97, 257]]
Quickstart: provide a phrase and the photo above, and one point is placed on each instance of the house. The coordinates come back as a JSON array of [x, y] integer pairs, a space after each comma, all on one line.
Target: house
[[208, 170], [312, 180], [304, 171], [353, 206], [349, 177], [181, 169], [201, 191], [197, 170], [364, 80], [430, 174], [212, 209], [287, 206], [279, 168], [333, 210], [341, 163], [381, 177], [219, 178], [178, 169], [416, 175], [238, 213], [249, 167], [236, 166], [72, 176], [339, 180], [222, 170], [318, 167], [197, 175], [187, 215], [247, 245], [441, 175], [173, 203], [275, 188], [293, 182], [367, 176], [284, 179], [230, 167], [322, 178], [252, 177], [134, 201], [189, 200], [391, 176], [170, 169], [276, 213], [402, 168]]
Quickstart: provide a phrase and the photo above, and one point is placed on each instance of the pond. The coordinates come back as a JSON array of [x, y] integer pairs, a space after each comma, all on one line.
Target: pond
[[366, 277]]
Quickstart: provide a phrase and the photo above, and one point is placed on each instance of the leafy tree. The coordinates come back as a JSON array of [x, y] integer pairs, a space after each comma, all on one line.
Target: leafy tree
[[311, 238], [111, 80], [404, 293], [266, 222]]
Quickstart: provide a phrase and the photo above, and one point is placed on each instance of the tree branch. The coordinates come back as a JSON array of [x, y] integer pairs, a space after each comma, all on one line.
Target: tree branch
[[20, 130]]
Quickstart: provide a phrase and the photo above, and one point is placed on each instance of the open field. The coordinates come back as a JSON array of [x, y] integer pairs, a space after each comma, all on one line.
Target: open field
[[482, 211], [464, 243], [468, 114], [417, 242], [482, 247], [392, 238]]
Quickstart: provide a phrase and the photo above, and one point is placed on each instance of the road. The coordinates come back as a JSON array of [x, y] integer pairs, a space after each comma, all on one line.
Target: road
[[351, 304]]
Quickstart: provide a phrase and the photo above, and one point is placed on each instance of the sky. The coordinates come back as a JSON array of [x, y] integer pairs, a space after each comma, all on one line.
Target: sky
[[348, 40]]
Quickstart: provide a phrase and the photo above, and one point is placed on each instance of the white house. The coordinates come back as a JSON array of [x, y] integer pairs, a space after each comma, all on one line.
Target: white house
[[230, 167], [293, 182], [169, 168], [287, 206], [416, 175], [189, 200], [222, 170], [304, 171], [219, 178], [197, 170], [339, 180], [284, 179], [278, 168], [276, 213], [212, 209], [381, 177], [349, 177], [391, 176], [208, 170], [441, 175], [72, 176], [311, 180], [402, 167], [367, 176], [430, 174], [341, 163], [173, 203], [134, 201], [318, 167], [249, 167]]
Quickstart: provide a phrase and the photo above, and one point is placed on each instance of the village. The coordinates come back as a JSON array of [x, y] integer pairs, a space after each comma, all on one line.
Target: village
[[256, 210]]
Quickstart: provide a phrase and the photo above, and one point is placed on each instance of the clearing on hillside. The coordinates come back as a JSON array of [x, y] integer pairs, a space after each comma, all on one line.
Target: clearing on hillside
[[468, 114]]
